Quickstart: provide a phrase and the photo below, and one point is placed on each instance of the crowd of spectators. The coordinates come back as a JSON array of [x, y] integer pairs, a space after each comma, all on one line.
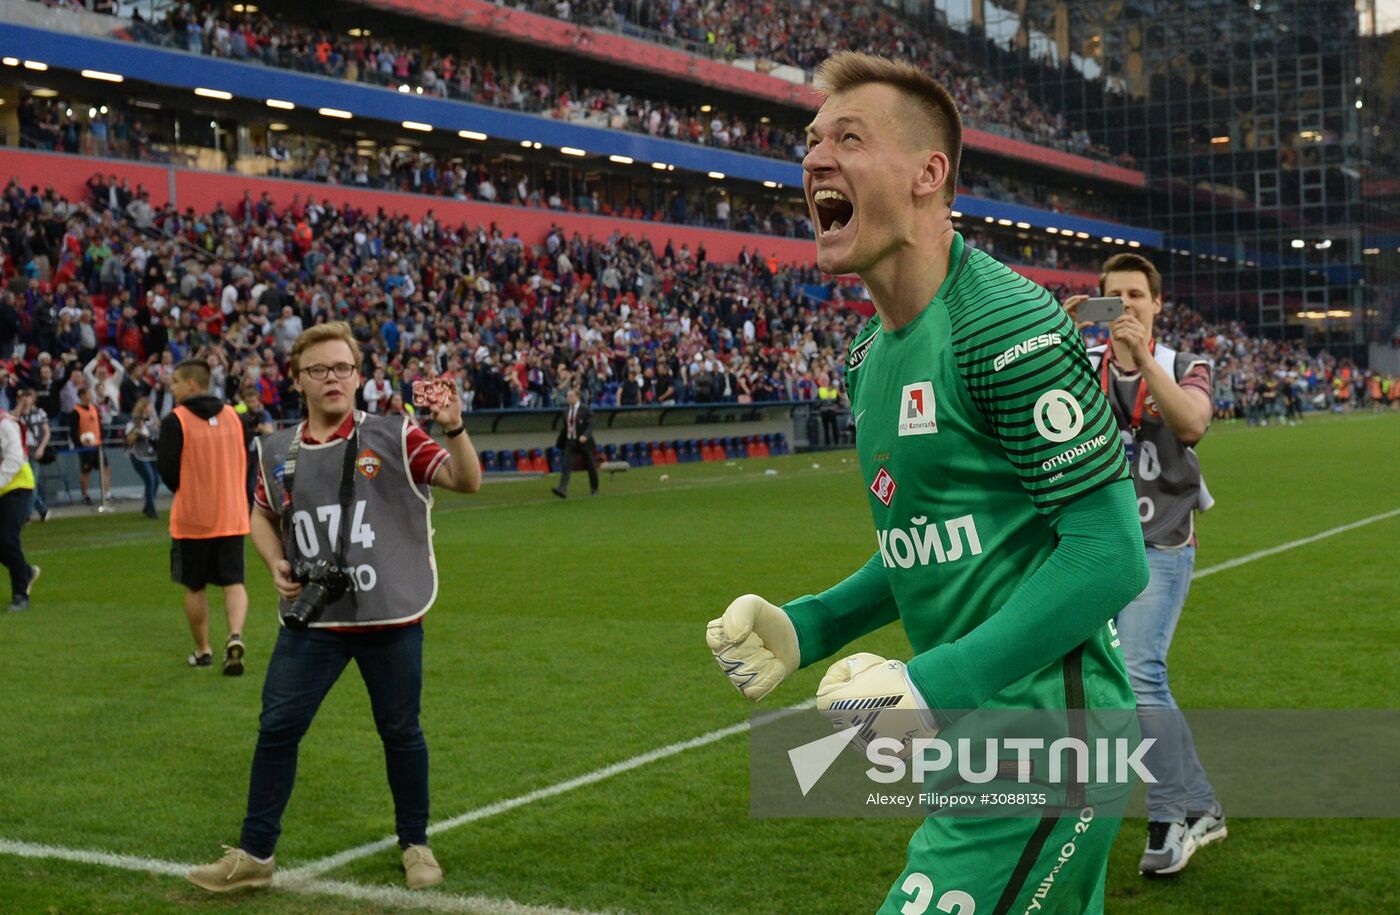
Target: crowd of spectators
[[110, 293], [104, 303], [804, 34], [472, 178], [260, 38], [118, 133], [800, 35], [108, 131]]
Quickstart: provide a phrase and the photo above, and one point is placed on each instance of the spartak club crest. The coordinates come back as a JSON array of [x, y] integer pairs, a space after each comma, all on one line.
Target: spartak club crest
[[883, 487]]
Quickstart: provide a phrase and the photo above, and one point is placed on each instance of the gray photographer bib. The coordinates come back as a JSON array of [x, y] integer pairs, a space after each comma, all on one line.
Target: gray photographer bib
[[389, 554], [1166, 471]]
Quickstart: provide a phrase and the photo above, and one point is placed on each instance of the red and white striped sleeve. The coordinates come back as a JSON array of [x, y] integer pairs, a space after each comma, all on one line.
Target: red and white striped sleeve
[[425, 456]]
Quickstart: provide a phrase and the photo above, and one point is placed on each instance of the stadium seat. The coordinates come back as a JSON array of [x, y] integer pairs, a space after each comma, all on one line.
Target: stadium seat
[[556, 459], [507, 460], [488, 462]]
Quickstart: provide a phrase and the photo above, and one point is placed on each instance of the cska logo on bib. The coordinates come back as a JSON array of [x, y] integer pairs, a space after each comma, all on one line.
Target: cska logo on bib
[[883, 487], [368, 463], [916, 411]]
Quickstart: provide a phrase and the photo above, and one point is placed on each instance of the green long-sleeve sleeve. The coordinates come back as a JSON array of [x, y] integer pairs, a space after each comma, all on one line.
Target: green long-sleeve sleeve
[[1096, 568], [858, 605]]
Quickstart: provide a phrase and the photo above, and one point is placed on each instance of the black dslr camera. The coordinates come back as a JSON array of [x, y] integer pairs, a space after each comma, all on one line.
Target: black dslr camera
[[321, 583]]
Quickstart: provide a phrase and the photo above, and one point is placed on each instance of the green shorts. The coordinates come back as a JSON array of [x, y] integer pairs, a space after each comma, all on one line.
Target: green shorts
[[1006, 866]]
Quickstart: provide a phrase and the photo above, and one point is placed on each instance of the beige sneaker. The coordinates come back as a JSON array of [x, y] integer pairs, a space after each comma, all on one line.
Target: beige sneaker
[[421, 867], [236, 870]]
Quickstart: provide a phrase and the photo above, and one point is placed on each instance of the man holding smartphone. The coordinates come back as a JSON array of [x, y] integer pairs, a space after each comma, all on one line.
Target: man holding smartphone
[[1161, 400], [355, 490]]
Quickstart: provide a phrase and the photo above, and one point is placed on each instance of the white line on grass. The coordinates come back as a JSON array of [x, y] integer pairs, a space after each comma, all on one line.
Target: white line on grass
[[391, 896], [1292, 544], [499, 807], [397, 897], [83, 856]]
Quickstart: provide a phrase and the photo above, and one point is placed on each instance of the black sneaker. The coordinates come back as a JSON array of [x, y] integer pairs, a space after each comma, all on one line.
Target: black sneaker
[[233, 657], [44, 514], [201, 660], [18, 605], [1207, 827], [559, 492], [1169, 848], [87, 499]]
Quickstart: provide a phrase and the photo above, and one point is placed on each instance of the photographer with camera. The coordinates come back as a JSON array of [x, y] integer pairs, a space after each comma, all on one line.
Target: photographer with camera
[[1161, 401], [343, 521]]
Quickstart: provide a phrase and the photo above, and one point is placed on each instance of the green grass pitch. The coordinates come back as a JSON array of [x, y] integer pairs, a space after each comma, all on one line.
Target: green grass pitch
[[567, 637]]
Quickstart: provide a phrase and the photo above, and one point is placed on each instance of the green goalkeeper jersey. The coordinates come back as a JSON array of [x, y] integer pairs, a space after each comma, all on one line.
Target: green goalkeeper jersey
[[973, 423]]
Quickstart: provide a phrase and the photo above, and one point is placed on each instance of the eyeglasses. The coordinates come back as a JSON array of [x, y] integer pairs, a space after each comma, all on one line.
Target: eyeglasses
[[342, 371]]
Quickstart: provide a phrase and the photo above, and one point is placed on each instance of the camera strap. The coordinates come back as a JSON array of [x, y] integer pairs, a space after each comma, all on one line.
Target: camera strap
[[347, 492]]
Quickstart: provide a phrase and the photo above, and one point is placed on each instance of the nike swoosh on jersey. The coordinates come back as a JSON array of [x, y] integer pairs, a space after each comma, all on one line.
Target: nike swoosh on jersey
[[856, 421]]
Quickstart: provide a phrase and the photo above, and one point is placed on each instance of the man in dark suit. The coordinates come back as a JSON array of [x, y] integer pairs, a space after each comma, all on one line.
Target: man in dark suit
[[576, 438]]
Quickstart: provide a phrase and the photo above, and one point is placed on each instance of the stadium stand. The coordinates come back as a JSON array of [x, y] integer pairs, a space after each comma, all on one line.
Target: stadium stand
[[495, 311], [519, 319]]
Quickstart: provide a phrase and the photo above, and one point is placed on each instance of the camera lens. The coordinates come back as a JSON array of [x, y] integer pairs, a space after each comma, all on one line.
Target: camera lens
[[306, 607]]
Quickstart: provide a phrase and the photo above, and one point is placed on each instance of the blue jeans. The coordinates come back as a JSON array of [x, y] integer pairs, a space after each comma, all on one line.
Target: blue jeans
[[150, 480], [1145, 627], [303, 668], [38, 505]]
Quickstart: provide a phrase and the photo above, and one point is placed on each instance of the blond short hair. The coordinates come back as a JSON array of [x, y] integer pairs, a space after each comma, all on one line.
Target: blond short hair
[[323, 333], [846, 70]]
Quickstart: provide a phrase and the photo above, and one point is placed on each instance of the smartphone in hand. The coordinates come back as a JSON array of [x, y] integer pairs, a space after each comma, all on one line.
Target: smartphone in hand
[[432, 393], [1100, 310]]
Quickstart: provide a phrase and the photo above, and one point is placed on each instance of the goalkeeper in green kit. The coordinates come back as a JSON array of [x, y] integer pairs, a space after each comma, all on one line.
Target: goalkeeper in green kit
[[1006, 526]]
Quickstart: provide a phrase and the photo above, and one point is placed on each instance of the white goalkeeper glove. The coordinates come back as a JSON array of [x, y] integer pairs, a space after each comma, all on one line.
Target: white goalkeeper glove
[[876, 695], [755, 644]]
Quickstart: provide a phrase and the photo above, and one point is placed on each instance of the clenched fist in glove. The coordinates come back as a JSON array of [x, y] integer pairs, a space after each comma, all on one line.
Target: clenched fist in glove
[[876, 695], [755, 644]]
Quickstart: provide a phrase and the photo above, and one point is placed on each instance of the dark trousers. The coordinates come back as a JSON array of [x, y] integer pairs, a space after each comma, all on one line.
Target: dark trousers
[[303, 667], [150, 481], [589, 461], [14, 511]]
